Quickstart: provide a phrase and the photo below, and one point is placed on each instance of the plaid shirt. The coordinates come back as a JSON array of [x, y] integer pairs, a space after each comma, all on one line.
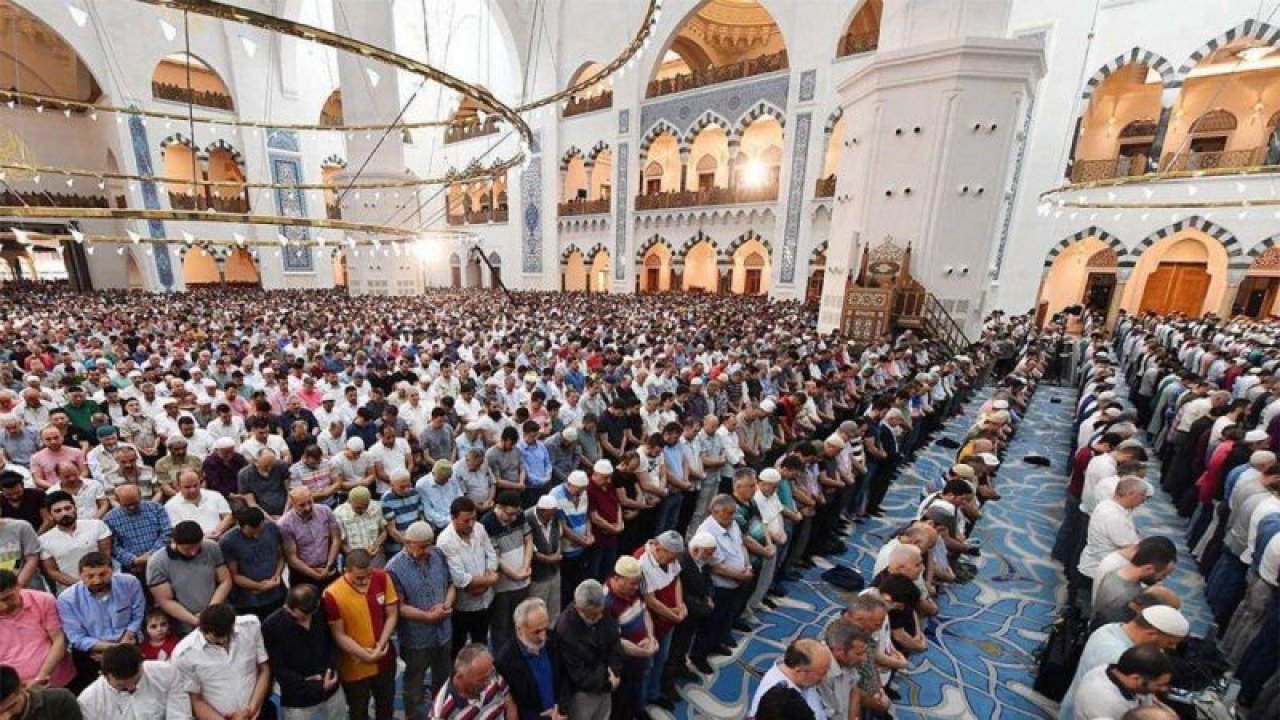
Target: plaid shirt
[[138, 533], [359, 531]]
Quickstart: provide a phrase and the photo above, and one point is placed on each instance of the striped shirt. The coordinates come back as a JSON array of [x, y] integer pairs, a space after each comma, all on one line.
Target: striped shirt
[[403, 510], [576, 518], [490, 704]]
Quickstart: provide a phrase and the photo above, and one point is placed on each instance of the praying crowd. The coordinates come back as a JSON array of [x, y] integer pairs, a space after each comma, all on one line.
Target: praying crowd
[[1201, 397], [230, 503]]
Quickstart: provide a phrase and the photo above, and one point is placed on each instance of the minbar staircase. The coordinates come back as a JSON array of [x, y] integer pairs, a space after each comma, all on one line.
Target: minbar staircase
[[885, 297]]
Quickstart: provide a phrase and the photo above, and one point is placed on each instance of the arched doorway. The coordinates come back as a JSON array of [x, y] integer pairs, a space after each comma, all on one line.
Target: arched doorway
[[751, 269], [199, 268], [656, 275], [242, 269], [700, 271], [474, 278], [1083, 273], [133, 272], [599, 278], [455, 271], [340, 274], [495, 270], [1184, 272], [1259, 294], [817, 274], [1117, 127], [575, 272]]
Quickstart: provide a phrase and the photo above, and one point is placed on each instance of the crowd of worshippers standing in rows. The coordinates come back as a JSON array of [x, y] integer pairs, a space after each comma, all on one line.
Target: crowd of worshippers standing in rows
[[233, 503], [1200, 399]]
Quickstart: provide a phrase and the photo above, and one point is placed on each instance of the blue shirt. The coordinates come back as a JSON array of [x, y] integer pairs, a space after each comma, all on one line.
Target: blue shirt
[[537, 463], [674, 457], [540, 668], [88, 620], [1232, 478], [437, 498], [403, 510], [422, 585], [138, 533], [1267, 529]]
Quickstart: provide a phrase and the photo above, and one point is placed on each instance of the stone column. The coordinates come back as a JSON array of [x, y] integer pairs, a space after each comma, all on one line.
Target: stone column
[[1235, 277], [733, 164], [1117, 295], [684, 169]]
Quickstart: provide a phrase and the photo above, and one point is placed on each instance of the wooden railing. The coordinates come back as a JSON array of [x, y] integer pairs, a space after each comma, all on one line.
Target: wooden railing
[[853, 44], [578, 106], [180, 93], [709, 196], [333, 211], [584, 207], [122, 201], [826, 187], [478, 217], [468, 130], [9, 198], [1251, 157], [918, 309], [236, 204], [718, 74]]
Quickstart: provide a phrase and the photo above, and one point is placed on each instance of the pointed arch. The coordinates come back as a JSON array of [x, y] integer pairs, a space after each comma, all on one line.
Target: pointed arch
[[227, 147], [1236, 256], [705, 120], [595, 151], [569, 250], [743, 239], [699, 237], [1250, 28], [1091, 231], [657, 130], [651, 243], [183, 77], [568, 156], [1134, 56], [832, 119], [761, 109]]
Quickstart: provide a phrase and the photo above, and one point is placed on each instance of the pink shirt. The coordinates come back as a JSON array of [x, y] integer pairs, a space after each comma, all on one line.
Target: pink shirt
[[44, 463], [24, 638]]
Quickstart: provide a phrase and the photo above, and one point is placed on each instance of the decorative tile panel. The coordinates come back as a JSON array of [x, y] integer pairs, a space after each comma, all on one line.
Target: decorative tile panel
[[286, 169], [729, 100], [808, 85], [531, 201], [624, 121], [622, 159], [150, 196], [795, 197]]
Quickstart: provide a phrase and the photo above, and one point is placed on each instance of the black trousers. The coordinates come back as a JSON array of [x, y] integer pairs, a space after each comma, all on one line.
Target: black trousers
[[469, 626], [381, 687]]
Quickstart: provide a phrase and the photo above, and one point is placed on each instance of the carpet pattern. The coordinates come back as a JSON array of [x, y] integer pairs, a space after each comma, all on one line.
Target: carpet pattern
[[980, 663]]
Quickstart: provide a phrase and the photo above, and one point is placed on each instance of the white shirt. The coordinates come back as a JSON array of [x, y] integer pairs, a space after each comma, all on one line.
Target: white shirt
[[1264, 508], [251, 447], [200, 444], [1099, 697], [66, 548], [160, 694], [1110, 528], [1101, 466], [225, 678], [1109, 564], [1269, 565], [393, 459], [87, 499], [207, 512], [233, 429], [775, 677]]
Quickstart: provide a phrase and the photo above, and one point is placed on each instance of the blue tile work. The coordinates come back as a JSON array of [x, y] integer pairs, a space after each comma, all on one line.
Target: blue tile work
[[150, 195], [621, 198], [531, 199], [795, 197]]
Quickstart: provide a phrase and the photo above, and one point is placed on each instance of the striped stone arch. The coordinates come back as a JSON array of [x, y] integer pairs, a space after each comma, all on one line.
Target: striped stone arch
[[221, 144], [571, 249], [1263, 245], [1237, 259], [177, 139], [590, 255], [596, 149], [818, 250], [1091, 231], [1251, 28], [754, 113], [651, 243], [568, 157], [745, 238], [704, 121], [659, 128], [832, 119], [694, 240], [333, 161], [1133, 56]]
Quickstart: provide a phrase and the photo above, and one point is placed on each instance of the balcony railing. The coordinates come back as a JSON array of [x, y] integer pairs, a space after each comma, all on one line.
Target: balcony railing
[[471, 129], [333, 211], [854, 44], [826, 187], [578, 106], [122, 201], [183, 94], [1116, 167], [235, 204], [718, 74], [709, 196], [585, 207], [9, 198], [479, 217], [1218, 159]]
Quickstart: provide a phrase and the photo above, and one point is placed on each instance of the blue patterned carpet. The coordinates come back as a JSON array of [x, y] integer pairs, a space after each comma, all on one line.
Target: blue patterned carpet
[[980, 661]]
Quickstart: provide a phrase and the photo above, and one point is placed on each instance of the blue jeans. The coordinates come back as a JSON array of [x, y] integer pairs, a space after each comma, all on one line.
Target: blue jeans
[[652, 687], [668, 512]]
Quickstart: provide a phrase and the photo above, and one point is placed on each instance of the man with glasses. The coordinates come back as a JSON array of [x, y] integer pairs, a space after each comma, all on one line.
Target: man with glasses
[[304, 659], [224, 666], [802, 668], [132, 688], [421, 576]]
